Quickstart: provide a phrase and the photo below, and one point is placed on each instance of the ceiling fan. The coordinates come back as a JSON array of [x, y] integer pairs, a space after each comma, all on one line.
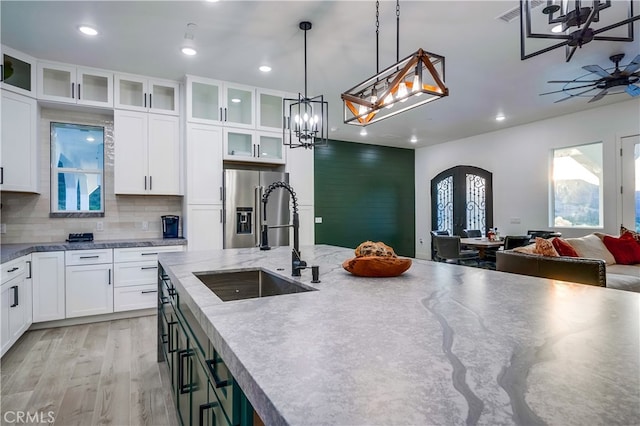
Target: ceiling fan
[[609, 83]]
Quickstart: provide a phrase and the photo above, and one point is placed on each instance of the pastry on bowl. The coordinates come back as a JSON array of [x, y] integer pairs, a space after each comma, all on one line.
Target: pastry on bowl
[[376, 259]]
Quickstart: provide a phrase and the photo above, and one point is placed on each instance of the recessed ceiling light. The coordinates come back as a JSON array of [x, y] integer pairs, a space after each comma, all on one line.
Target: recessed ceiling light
[[413, 139], [236, 100], [265, 68], [557, 29], [87, 30], [500, 117], [91, 139], [189, 51], [363, 132]]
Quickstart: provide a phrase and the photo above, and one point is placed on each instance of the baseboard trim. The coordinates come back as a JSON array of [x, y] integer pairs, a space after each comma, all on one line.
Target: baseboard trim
[[93, 318]]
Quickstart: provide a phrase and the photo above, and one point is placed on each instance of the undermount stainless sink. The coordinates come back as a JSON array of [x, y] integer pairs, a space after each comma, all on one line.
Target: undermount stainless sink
[[248, 284]]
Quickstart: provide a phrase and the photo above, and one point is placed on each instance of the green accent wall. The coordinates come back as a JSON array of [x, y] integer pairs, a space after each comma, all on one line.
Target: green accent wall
[[365, 192]]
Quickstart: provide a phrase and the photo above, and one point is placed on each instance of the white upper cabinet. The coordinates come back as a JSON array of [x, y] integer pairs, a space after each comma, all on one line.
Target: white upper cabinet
[[204, 164], [270, 110], [217, 102], [19, 156], [147, 154], [252, 146], [139, 93], [18, 72], [70, 84]]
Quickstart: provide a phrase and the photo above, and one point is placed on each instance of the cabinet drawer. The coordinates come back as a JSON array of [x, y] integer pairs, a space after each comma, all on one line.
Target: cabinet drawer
[[88, 257], [136, 254], [15, 268], [135, 273], [136, 297]]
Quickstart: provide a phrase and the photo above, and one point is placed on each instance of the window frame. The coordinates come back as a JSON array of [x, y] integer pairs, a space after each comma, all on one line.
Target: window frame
[[55, 171], [552, 188]]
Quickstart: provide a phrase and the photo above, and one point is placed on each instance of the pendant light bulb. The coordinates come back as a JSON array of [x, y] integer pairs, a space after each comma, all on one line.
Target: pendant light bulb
[[417, 85], [402, 92]]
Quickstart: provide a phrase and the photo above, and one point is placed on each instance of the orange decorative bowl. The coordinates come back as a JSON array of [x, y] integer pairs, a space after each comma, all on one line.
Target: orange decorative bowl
[[376, 266]]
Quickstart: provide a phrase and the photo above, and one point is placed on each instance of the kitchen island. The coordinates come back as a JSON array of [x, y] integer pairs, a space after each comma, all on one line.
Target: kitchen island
[[440, 344]]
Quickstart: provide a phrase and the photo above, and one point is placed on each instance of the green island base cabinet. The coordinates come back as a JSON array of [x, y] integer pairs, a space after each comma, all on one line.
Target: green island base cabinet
[[205, 392]]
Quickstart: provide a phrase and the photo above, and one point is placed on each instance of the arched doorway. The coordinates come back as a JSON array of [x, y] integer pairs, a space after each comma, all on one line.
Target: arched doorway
[[462, 198]]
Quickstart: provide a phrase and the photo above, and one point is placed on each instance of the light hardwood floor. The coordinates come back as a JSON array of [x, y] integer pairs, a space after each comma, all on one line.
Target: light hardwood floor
[[103, 373]]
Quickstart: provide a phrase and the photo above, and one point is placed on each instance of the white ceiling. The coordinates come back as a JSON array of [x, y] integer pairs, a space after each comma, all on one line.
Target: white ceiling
[[484, 72]]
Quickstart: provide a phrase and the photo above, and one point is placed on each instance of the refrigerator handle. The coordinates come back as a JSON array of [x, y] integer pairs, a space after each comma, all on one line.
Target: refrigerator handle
[[257, 216]]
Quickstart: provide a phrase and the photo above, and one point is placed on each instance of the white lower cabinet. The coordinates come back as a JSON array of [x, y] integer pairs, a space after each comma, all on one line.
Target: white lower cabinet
[[15, 301], [136, 277], [204, 227], [89, 282], [48, 286]]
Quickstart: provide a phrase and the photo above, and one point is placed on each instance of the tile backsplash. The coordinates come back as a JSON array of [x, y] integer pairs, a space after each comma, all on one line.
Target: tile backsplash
[[26, 216]]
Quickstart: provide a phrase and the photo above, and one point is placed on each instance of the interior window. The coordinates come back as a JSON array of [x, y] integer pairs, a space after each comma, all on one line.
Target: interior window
[[577, 186], [77, 168]]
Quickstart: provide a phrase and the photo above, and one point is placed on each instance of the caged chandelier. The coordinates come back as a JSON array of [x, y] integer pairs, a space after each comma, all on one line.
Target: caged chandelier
[[547, 25], [407, 84], [310, 124]]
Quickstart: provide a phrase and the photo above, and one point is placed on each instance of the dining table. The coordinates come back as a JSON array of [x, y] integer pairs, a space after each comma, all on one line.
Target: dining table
[[482, 244]]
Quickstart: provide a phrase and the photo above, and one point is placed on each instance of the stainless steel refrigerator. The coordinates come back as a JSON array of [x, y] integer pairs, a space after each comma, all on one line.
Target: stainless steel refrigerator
[[242, 208]]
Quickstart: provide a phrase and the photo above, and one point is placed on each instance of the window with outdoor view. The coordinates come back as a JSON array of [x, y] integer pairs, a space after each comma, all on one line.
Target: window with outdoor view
[[77, 168], [577, 186]]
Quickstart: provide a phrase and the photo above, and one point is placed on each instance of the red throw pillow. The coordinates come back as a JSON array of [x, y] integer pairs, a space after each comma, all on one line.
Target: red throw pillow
[[625, 251], [628, 233], [564, 248]]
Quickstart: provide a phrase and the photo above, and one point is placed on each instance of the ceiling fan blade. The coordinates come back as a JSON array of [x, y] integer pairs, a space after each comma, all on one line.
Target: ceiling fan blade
[[572, 81], [633, 90], [573, 96], [599, 96], [567, 90], [597, 69], [633, 66]]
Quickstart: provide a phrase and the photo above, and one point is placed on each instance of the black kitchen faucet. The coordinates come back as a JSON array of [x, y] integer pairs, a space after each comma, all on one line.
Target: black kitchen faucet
[[297, 264]]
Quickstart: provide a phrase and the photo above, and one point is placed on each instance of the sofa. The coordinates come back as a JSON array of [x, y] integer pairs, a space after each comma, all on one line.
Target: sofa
[[591, 262]]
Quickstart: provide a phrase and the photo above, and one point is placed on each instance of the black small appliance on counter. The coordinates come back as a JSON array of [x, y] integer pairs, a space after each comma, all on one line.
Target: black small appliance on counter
[[170, 226]]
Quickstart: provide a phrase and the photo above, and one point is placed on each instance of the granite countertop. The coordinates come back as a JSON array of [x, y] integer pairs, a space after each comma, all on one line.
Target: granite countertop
[[13, 251], [441, 344]]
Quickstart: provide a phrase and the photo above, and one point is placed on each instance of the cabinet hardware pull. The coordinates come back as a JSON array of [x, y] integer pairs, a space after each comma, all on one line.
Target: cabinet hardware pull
[[259, 151], [205, 407], [170, 325], [211, 365], [225, 114], [150, 102], [29, 263], [145, 183], [78, 91], [220, 113], [149, 254], [148, 267], [89, 257], [221, 195], [15, 268], [221, 217], [1, 72], [149, 291], [254, 150], [73, 90], [183, 355], [145, 104], [15, 296], [109, 276], [1, 175], [150, 177]]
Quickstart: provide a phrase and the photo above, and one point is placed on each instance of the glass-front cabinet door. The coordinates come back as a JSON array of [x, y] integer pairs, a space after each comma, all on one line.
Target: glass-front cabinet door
[[204, 100], [69, 84], [138, 93], [239, 145], [270, 110], [239, 106], [18, 72], [270, 148]]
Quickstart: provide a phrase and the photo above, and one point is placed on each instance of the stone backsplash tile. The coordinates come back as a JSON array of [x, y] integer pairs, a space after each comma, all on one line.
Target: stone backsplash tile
[[27, 215]]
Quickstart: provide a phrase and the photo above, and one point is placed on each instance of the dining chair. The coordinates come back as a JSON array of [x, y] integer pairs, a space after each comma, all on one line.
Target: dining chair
[[543, 234], [513, 241], [434, 234], [471, 233], [448, 250]]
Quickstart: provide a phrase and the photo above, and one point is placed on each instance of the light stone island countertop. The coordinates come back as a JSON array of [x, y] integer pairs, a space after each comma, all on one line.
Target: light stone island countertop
[[13, 251], [442, 344]]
